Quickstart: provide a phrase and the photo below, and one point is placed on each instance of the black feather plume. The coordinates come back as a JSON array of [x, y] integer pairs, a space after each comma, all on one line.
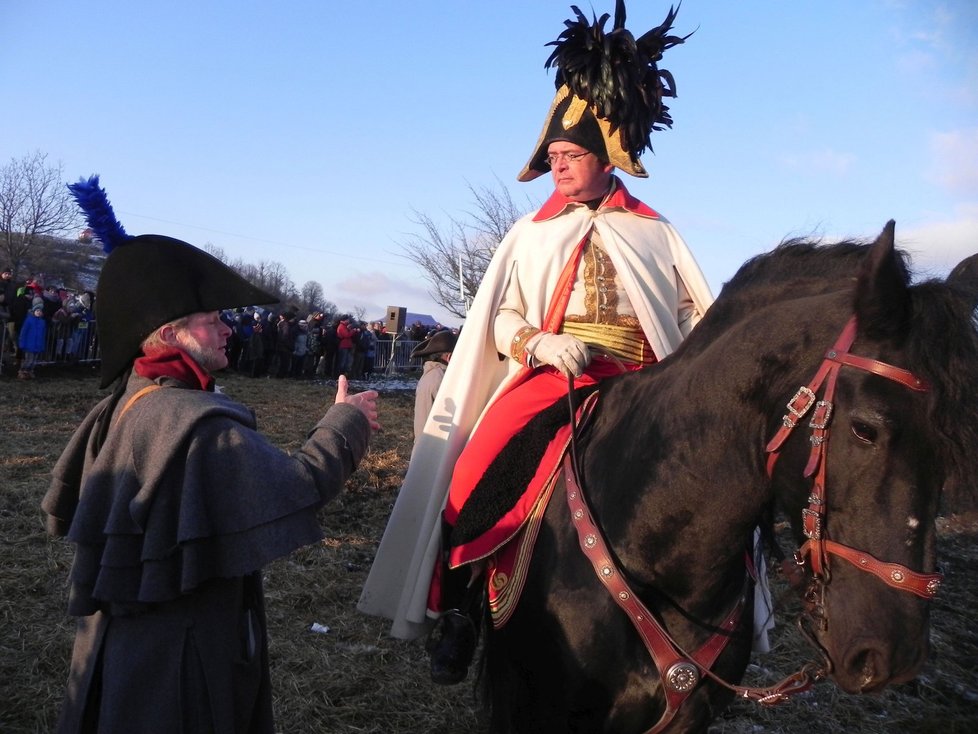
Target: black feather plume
[[618, 74]]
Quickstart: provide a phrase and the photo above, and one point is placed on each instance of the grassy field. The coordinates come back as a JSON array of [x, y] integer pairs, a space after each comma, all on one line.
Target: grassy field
[[354, 678]]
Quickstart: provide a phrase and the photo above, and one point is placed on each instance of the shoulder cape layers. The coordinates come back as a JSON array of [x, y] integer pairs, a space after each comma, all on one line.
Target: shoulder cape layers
[[173, 520], [649, 256]]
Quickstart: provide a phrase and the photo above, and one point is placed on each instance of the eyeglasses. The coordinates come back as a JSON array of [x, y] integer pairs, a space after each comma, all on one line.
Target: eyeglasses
[[569, 157]]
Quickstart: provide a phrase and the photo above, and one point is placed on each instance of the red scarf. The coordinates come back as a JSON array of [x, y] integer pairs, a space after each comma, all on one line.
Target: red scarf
[[175, 363]]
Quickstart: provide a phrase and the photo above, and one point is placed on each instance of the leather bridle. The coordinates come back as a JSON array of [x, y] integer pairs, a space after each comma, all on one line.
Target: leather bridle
[[818, 548], [679, 671]]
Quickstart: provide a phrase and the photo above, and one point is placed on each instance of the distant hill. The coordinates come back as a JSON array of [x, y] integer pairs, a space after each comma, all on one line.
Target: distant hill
[[412, 318], [64, 262]]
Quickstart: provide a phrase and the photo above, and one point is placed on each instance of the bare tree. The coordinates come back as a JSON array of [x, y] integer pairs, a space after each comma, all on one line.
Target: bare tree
[[269, 276], [312, 295], [217, 251], [453, 258], [34, 203]]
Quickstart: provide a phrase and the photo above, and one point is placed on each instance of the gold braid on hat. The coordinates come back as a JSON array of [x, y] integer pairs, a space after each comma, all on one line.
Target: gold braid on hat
[[618, 74]]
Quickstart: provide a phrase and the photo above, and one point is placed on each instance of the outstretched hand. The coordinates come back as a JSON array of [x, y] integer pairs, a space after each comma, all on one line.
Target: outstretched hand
[[365, 402]]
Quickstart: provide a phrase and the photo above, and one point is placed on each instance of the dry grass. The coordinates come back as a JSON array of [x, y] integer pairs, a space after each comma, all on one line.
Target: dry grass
[[354, 678]]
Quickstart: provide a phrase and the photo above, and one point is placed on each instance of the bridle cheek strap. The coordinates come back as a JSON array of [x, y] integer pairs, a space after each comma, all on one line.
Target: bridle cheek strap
[[818, 548]]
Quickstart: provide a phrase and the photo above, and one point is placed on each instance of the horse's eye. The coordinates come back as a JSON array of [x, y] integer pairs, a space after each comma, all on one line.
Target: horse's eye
[[864, 432]]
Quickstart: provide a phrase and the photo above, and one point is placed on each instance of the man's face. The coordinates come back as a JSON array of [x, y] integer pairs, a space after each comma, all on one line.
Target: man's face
[[204, 337], [580, 177]]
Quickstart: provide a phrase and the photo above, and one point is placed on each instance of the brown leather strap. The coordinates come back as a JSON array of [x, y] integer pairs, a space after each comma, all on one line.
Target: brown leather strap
[[924, 585], [805, 398], [904, 377], [680, 673], [136, 396]]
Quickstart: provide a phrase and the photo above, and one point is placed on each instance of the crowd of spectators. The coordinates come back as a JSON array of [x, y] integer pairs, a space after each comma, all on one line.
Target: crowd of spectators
[[264, 343], [43, 323]]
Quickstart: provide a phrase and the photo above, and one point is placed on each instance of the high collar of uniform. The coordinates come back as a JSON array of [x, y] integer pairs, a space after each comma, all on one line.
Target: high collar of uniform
[[618, 198]]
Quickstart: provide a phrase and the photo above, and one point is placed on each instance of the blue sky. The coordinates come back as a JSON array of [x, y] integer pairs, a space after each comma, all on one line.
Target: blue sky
[[309, 132]]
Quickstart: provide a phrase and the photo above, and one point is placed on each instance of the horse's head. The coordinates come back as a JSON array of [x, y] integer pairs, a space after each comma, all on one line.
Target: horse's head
[[863, 485]]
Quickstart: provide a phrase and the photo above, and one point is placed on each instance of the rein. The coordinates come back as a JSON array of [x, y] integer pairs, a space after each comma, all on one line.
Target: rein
[[679, 671]]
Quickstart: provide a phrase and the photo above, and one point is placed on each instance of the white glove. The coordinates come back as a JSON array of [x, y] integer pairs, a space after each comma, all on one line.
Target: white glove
[[565, 352]]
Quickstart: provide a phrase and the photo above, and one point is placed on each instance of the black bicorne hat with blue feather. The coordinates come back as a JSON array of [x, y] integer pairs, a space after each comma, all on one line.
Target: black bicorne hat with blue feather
[[610, 91], [150, 280]]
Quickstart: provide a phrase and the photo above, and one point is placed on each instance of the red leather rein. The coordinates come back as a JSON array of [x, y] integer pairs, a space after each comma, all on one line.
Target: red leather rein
[[818, 548], [679, 671]]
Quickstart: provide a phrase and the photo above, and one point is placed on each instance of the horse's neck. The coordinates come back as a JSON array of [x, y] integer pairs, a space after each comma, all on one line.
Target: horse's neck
[[671, 463], [676, 458]]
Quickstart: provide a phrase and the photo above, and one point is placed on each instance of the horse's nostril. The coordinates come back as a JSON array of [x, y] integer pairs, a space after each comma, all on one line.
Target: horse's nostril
[[868, 670]]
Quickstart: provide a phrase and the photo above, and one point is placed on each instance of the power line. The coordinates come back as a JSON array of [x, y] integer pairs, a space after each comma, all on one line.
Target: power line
[[277, 243]]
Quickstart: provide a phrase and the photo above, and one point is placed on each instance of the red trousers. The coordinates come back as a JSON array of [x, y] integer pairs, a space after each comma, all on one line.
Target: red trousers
[[506, 418]]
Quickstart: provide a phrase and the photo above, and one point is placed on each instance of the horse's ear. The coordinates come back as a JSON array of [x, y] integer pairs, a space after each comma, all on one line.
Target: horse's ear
[[964, 279], [882, 302]]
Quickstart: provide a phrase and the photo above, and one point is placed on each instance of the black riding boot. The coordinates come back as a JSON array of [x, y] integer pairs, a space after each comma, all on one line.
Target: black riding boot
[[453, 639]]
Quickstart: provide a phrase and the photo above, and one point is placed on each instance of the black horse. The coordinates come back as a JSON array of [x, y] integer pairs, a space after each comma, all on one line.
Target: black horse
[[677, 468]]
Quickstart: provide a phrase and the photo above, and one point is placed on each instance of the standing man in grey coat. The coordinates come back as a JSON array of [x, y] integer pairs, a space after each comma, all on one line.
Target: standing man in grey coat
[[175, 502]]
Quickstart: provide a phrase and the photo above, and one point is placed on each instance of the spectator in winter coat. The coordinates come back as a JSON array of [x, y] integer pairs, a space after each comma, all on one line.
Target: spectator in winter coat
[[368, 342], [82, 318], [8, 292], [33, 340], [8, 335], [51, 302], [60, 324], [331, 344], [253, 356], [300, 348], [347, 333], [22, 305], [284, 344], [314, 344]]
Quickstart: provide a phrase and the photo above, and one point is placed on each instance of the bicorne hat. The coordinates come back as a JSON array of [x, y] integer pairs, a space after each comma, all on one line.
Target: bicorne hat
[[150, 280], [438, 343], [609, 91]]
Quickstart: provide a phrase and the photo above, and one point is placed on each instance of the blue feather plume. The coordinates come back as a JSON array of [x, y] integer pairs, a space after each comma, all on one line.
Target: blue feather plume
[[98, 213]]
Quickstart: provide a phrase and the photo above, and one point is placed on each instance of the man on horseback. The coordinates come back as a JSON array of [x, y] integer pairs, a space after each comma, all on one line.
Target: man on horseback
[[592, 284]]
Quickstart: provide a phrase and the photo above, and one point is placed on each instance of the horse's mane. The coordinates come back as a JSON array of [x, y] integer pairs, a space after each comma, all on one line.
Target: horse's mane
[[942, 346], [940, 339], [795, 263], [796, 268]]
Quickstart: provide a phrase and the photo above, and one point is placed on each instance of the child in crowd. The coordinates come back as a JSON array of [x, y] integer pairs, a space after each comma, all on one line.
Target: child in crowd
[[32, 340]]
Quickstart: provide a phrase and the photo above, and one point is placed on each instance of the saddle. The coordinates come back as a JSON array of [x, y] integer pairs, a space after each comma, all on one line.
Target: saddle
[[518, 486]]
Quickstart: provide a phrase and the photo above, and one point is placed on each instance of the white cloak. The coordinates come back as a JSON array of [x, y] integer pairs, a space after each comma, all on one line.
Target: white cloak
[[650, 258]]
